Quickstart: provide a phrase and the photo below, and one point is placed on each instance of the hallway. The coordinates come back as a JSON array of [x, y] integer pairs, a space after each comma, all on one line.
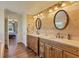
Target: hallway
[[18, 51]]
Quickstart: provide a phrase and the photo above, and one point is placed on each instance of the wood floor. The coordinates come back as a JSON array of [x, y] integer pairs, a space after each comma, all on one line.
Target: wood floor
[[19, 51]]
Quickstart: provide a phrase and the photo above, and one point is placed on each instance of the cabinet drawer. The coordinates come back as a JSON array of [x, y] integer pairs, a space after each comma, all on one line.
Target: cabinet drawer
[[33, 43]]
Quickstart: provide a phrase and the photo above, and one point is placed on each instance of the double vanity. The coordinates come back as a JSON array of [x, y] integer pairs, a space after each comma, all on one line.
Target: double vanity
[[49, 47]]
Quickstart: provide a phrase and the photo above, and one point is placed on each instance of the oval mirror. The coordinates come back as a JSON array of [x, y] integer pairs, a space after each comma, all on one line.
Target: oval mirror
[[61, 19], [38, 23]]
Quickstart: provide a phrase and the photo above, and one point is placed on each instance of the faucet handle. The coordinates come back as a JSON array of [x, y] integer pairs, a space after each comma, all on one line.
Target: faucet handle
[[68, 36]]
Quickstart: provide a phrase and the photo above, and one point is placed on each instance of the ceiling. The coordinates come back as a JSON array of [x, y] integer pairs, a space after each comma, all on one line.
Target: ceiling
[[29, 7]]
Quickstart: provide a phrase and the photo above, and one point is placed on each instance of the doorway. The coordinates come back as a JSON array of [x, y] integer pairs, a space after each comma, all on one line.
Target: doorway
[[12, 31]]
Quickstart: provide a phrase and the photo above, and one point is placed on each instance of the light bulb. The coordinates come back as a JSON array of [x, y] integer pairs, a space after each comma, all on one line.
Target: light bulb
[[41, 14], [50, 10], [38, 15], [55, 8], [63, 4]]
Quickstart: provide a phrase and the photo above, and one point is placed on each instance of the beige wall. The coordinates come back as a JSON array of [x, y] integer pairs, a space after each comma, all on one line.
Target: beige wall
[[48, 26], [30, 23]]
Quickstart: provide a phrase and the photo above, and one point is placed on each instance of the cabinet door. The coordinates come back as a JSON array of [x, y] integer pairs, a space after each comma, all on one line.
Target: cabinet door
[[69, 55], [29, 41], [41, 49], [33, 43], [47, 51], [56, 53]]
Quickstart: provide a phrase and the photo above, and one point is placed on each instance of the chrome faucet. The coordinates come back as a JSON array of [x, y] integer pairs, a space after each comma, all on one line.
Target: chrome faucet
[[68, 36], [58, 35]]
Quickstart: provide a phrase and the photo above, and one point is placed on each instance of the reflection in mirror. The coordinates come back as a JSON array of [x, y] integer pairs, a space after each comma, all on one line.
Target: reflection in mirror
[[61, 19]]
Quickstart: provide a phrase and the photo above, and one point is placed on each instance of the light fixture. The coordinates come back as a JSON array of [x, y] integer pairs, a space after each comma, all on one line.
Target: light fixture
[[63, 4], [55, 8], [50, 10]]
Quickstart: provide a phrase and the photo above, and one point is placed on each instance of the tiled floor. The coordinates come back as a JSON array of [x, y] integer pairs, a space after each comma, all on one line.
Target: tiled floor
[[18, 51]]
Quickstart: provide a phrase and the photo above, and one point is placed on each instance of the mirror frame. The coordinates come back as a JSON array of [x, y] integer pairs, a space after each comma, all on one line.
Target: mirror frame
[[40, 23], [66, 19]]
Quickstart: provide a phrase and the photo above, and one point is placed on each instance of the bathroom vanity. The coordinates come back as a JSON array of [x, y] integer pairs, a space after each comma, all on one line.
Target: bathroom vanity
[[47, 47], [55, 49]]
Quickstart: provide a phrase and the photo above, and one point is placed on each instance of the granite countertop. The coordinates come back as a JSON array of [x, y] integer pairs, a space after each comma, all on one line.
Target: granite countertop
[[52, 38]]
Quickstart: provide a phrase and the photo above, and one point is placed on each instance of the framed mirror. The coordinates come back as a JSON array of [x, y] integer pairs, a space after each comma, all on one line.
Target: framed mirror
[[61, 19], [38, 23]]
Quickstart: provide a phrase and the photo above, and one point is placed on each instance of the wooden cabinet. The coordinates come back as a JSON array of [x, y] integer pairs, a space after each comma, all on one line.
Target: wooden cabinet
[[48, 50], [51, 49], [33, 43], [69, 55], [41, 49], [56, 53], [57, 50]]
